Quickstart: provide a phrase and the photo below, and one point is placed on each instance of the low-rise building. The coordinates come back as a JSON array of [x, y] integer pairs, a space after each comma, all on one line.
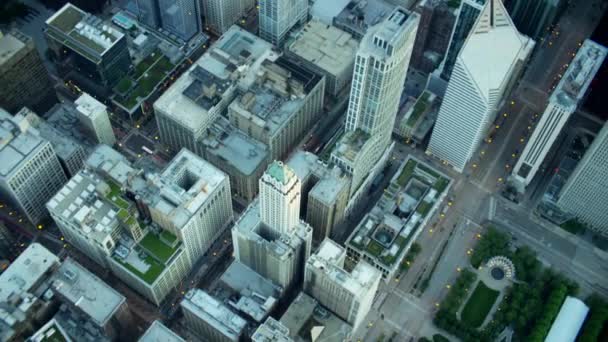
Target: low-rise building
[[348, 295], [51, 331], [271, 331], [158, 332], [414, 122], [93, 115], [307, 320], [328, 51], [211, 320], [387, 232]]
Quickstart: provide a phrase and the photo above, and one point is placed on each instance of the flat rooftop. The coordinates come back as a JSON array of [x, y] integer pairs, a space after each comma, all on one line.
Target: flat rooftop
[[359, 15], [185, 186], [214, 313], [10, 44], [326, 46], [271, 331], [211, 78], [235, 147], [246, 281], [305, 317], [16, 146], [88, 106], [63, 118], [31, 265], [158, 332], [580, 73], [52, 331], [329, 260], [81, 29], [87, 292]]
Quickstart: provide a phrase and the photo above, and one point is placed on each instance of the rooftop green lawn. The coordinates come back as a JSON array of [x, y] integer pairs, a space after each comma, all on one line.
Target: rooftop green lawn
[[67, 19], [441, 184], [87, 42], [149, 74], [56, 336], [123, 85], [123, 214], [419, 109], [151, 274], [374, 248], [157, 248], [401, 242], [168, 236], [424, 208], [131, 221], [115, 195], [432, 173], [479, 305], [407, 172]]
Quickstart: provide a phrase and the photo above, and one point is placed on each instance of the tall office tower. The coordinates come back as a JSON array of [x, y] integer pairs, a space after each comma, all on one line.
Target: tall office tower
[[280, 197], [211, 319], [278, 17], [148, 12], [93, 115], [563, 102], [221, 14], [486, 68], [82, 42], [30, 173], [585, 194], [467, 15], [25, 81], [380, 69], [348, 295], [180, 17], [535, 18]]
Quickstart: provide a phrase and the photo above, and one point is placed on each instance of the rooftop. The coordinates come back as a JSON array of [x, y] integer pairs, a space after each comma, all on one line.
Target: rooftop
[[82, 31], [10, 44], [88, 106], [326, 46], [212, 78], [87, 292], [52, 331], [329, 259], [580, 73], [387, 231], [18, 143], [350, 144], [63, 118], [493, 48], [308, 321], [31, 265], [158, 332], [235, 147], [271, 331], [359, 15], [280, 172], [184, 187], [214, 313]]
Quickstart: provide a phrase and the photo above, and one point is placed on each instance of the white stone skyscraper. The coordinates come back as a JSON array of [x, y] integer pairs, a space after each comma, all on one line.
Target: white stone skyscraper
[[280, 197], [485, 70], [563, 102], [378, 78], [585, 194], [278, 17]]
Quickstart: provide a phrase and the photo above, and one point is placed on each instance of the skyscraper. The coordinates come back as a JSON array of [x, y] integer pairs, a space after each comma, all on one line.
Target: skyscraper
[[380, 69], [180, 17], [221, 14], [467, 15], [25, 81], [148, 12], [30, 173], [563, 102], [488, 64], [585, 194], [280, 197], [278, 17], [81, 41], [348, 295], [93, 115]]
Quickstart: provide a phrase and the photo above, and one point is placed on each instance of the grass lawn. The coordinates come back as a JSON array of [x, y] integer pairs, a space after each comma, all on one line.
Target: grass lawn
[[424, 208], [374, 248], [407, 172], [478, 306], [153, 272], [154, 245]]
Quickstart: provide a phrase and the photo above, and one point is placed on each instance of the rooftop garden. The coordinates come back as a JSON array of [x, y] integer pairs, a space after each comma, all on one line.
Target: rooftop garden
[[374, 248], [115, 196], [150, 275], [146, 76], [407, 172], [168, 236], [419, 109], [424, 208], [56, 336], [401, 242], [155, 246]]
